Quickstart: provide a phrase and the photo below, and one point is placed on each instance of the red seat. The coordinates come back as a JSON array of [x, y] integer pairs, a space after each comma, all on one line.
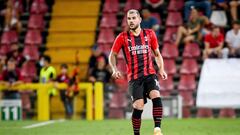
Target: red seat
[[105, 48], [39, 7], [4, 49], [116, 113], [27, 79], [170, 51], [118, 100], [121, 64], [187, 83], [204, 113], [166, 86], [33, 37], [191, 51], [170, 66], [187, 98], [106, 36], [228, 113], [122, 84], [132, 4], [36, 22], [29, 69], [18, 5], [124, 23], [9, 37], [175, 5], [31, 51], [189, 66], [121, 55], [111, 6], [170, 34], [174, 19], [108, 21], [157, 16]]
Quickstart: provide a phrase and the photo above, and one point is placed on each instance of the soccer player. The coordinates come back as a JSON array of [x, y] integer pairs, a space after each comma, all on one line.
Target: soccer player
[[137, 45]]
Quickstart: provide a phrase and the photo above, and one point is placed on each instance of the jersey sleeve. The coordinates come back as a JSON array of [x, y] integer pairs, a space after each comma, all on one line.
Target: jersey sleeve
[[221, 38], [207, 38], [117, 45], [154, 41]]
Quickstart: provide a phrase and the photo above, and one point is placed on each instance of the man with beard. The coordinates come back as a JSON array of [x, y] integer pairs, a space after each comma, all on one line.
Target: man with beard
[[137, 45]]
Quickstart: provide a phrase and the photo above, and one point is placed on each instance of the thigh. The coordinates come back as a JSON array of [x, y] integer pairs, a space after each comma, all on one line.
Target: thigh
[[183, 30], [151, 83], [189, 38], [135, 88]]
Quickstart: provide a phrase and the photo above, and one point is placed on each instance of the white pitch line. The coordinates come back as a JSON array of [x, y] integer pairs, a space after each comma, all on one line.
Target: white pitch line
[[43, 124]]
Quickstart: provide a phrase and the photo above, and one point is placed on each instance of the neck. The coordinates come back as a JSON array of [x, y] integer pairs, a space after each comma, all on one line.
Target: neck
[[235, 31], [137, 31]]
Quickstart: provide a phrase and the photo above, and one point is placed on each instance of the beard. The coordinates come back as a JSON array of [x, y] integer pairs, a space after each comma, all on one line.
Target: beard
[[134, 28]]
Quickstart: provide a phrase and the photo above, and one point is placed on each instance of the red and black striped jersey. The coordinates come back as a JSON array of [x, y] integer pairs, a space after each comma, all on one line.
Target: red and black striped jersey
[[137, 51]]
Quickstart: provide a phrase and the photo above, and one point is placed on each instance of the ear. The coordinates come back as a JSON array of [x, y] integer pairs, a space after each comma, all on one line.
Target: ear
[[140, 18]]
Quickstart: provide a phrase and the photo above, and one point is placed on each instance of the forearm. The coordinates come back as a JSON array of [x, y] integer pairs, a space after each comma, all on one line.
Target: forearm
[[196, 29], [17, 83], [3, 83], [220, 46], [113, 61], [159, 61]]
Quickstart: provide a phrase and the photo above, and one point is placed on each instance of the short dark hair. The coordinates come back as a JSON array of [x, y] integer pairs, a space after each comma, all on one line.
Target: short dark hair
[[11, 59], [215, 27], [236, 22], [47, 58], [64, 66], [131, 11]]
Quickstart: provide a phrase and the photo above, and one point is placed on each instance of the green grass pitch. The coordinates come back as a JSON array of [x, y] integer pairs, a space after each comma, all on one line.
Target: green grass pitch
[[123, 127]]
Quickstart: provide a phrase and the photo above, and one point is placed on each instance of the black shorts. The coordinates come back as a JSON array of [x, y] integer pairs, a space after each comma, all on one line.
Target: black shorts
[[141, 87]]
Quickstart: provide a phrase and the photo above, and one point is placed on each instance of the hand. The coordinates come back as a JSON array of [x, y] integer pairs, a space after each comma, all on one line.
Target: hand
[[163, 74], [189, 32], [232, 51], [116, 74], [7, 84]]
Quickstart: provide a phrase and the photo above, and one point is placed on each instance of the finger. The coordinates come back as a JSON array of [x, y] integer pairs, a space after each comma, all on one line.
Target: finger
[[119, 75], [164, 77]]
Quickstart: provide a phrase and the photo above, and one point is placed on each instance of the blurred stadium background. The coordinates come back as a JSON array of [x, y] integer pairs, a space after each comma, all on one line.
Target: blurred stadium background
[[78, 34]]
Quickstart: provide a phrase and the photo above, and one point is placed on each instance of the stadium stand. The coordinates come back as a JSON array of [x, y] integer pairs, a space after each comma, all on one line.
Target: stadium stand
[[76, 29], [72, 31]]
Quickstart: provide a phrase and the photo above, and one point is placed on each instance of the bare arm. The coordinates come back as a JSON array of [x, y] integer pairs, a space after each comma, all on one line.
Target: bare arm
[[8, 17], [159, 59], [160, 63], [207, 47], [196, 29], [113, 64], [220, 46], [17, 83], [113, 60]]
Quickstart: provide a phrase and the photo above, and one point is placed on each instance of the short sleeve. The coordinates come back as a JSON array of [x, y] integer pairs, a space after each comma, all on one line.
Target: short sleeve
[[117, 45], [154, 41], [207, 39], [221, 38]]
